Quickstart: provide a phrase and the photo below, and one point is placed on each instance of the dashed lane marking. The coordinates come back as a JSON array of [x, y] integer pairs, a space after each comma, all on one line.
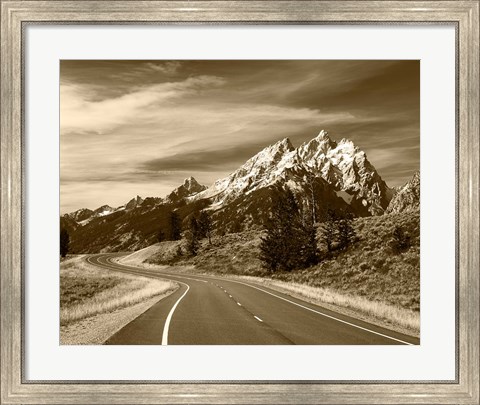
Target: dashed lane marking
[[323, 314], [304, 307]]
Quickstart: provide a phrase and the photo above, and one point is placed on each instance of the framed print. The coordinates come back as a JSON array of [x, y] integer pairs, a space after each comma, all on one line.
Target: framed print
[[239, 202]]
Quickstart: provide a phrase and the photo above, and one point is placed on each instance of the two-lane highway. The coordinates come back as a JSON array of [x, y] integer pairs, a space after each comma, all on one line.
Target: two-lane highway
[[209, 310]]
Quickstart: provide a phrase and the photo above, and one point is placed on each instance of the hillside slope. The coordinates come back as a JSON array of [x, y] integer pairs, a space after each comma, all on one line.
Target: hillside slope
[[369, 268], [322, 173]]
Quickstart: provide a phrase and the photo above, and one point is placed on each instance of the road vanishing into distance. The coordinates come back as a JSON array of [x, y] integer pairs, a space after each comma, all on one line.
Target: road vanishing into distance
[[209, 310]]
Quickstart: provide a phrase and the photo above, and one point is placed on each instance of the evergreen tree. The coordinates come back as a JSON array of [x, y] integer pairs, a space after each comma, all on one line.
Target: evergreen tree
[[289, 243], [160, 235], [346, 232], [192, 236], [175, 226], [205, 226], [329, 230], [310, 180], [309, 253], [64, 242]]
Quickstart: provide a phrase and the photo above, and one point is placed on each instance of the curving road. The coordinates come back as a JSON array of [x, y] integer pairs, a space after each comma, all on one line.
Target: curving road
[[208, 310]]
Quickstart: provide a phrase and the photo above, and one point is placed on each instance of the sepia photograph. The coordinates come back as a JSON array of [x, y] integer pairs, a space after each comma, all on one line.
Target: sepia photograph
[[239, 202]]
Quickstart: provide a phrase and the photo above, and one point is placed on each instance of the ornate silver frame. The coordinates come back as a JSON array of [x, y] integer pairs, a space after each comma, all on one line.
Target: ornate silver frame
[[463, 14]]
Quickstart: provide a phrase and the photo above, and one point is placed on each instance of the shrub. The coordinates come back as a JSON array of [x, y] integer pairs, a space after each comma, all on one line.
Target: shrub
[[401, 240]]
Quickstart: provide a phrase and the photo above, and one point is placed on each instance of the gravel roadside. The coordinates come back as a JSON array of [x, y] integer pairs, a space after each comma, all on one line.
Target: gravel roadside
[[97, 329]]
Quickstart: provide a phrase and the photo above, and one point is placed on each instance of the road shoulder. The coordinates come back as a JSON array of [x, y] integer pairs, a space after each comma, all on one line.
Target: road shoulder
[[97, 329]]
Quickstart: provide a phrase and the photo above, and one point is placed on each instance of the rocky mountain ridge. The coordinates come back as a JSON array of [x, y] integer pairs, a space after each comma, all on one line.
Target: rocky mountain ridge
[[322, 173], [407, 197], [342, 165], [190, 187]]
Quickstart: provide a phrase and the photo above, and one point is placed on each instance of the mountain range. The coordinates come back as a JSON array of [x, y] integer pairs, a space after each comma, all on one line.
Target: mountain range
[[322, 173]]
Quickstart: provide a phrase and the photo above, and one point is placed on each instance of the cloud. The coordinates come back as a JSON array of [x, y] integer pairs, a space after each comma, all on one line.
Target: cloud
[[202, 160], [168, 68], [79, 113], [152, 123]]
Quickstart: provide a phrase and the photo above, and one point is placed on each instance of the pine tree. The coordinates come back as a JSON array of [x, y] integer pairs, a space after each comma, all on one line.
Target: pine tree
[[329, 230], [346, 232], [309, 253], [289, 243], [205, 226], [64, 242], [192, 236], [310, 179], [175, 226], [160, 235]]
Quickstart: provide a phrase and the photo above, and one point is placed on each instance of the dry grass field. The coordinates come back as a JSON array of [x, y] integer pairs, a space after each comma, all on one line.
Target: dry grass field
[[369, 277], [87, 291]]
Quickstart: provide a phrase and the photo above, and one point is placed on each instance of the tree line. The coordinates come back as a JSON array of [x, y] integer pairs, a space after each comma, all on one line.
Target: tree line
[[197, 227], [292, 238]]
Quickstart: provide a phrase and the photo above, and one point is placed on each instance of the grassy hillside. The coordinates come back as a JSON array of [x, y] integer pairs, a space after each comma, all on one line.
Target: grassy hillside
[[124, 230], [369, 269], [86, 291]]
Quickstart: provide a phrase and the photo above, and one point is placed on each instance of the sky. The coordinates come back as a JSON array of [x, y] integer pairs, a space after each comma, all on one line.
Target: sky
[[141, 127]]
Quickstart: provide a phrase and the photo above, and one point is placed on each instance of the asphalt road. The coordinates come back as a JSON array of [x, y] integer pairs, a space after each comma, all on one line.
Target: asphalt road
[[208, 310]]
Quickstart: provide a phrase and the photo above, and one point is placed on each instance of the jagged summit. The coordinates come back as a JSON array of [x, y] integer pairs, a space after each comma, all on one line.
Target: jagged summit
[[134, 203], [322, 135], [407, 197], [270, 155], [341, 164], [191, 184], [189, 188], [80, 215], [284, 144], [322, 173], [103, 210]]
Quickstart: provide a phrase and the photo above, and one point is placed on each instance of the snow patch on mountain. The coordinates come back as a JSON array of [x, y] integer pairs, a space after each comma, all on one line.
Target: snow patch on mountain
[[407, 197], [189, 188], [134, 203], [342, 165]]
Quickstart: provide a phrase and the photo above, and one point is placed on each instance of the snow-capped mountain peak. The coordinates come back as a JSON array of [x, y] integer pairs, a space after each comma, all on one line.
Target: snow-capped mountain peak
[[253, 174], [103, 210], [407, 197], [341, 164], [191, 184], [268, 156], [189, 188], [134, 203], [80, 215]]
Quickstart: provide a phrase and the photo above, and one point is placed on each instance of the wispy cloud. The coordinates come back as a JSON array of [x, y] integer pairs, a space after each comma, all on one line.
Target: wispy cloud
[[142, 126], [81, 114], [167, 68]]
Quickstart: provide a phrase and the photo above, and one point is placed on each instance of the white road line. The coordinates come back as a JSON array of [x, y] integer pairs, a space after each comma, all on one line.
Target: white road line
[[239, 304], [321, 313], [257, 318], [229, 295], [312, 310], [169, 317], [170, 314]]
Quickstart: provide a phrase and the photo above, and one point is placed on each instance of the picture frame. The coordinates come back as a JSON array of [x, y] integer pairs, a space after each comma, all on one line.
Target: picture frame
[[15, 15]]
